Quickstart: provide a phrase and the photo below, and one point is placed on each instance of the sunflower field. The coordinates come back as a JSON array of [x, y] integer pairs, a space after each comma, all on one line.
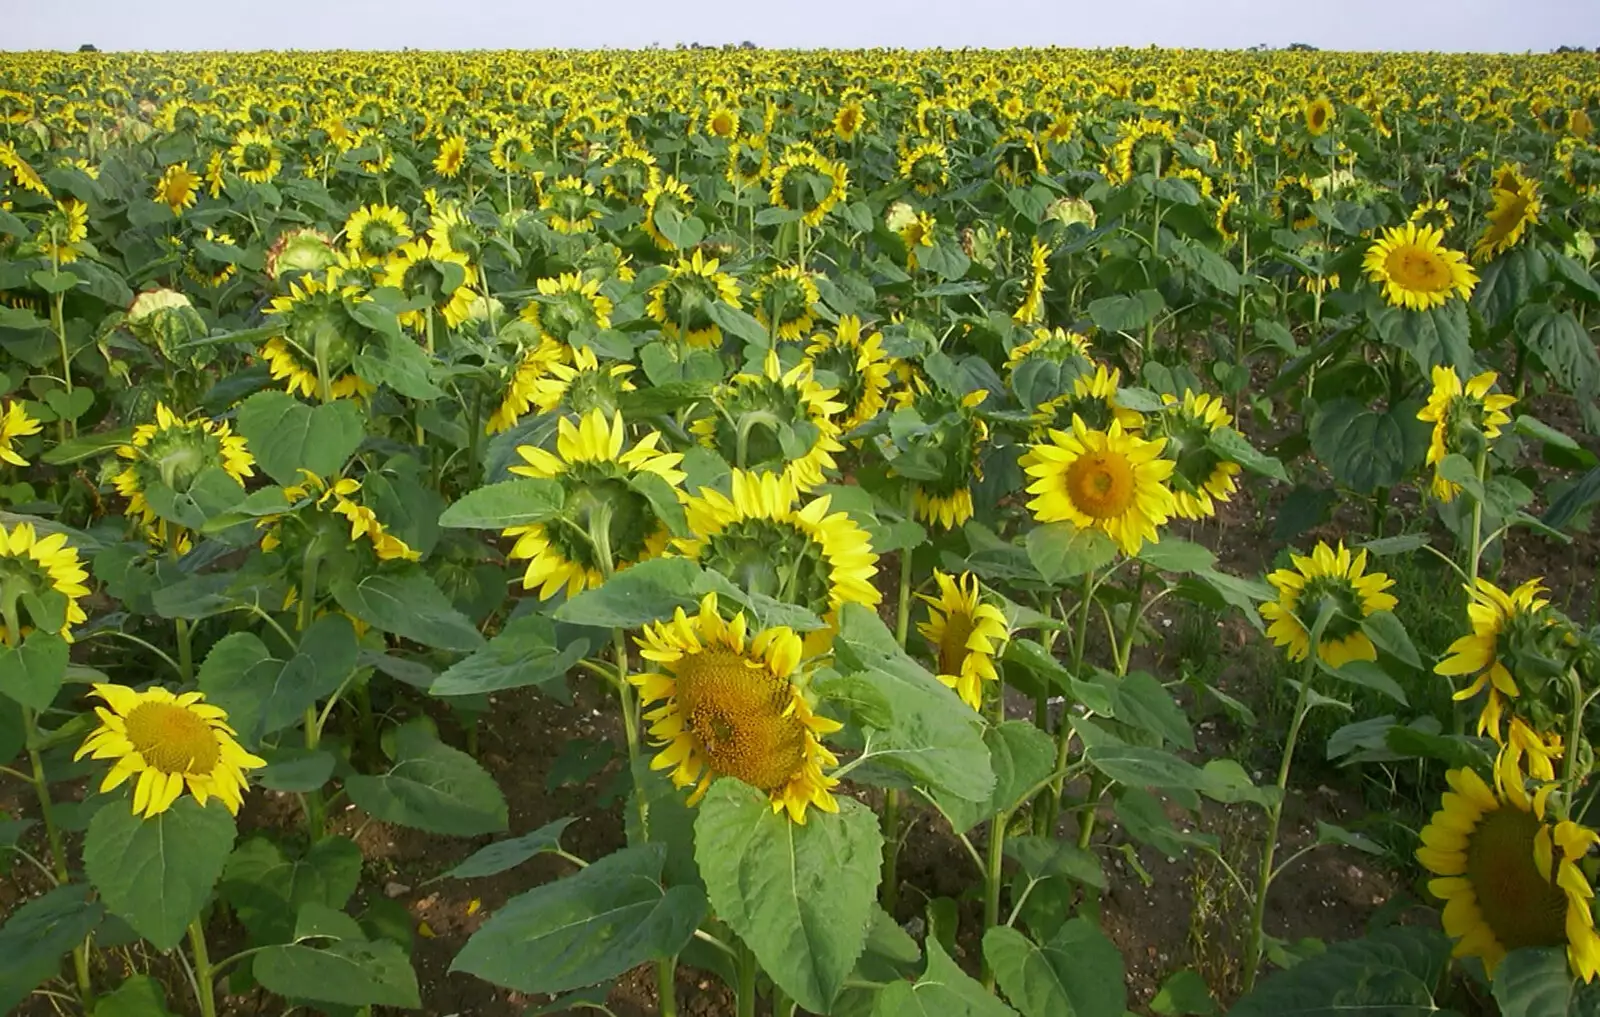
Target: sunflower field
[[1044, 533]]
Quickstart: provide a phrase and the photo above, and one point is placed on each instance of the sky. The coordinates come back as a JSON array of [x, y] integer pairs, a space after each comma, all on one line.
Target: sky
[[1485, 25]]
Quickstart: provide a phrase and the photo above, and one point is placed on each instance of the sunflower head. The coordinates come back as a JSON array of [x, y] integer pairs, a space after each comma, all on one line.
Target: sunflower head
[[630, 172], [926, 167], [1055, 345], [44, 567], [1466, 417], [1107, 480], [1334, 577], [565, 304], [955, 440], [775, 422], [1517, 645], [580, 382], [1509, 876], [1516, 208], [300, 250], [330, 510], [669, 193], [570, 205], [319, 327], [1093, 399], [806, 182], [433, 269], [723, 703], [607, 521], [749, 162], [681, 302], [1416, 270], [1202, 477], [1319, 116], [452, 157], [1032, 307], [253, 156], [15, 423], [965, 633], [178, 187], [857, 367], [784, 301], [849, 121], [169, 744], [374, 232], [173, 452]]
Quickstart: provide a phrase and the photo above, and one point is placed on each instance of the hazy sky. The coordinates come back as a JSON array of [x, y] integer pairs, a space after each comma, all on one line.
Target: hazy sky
[[1497, 25]]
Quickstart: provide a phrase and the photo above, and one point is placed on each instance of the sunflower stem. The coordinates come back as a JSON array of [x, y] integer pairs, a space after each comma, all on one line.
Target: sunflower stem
[[630, 723], [185, 650], [991, 883], [1258, 914], [1080, 635], [204, 981], [1476, 548], [667, 987], [1569, 763], [745, 991], [58, 852], [58, 321]]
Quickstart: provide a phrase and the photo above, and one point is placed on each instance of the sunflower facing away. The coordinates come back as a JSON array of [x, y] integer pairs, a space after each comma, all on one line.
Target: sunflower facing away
[[565, 303], [752, 413], [1053, 344], [1463, 418], [1109, 481], [173, 452], [571, 206], [374, 232], [316, 312], [958, 438], [253, 156], [858, 368], [681, 302], [667, 193], [337, 498], [1416, 270], [1515, 209], [520, 391], [1510, 879], [1093, 398], [40, 565], [607, 523], [1202, 477], [966, 632], [1033, 297], [808, 183], [729, 707], [434, 270], [784, 301], [1327, 574], [15, 423], [578, 381], [169, 743], [1500, 622]]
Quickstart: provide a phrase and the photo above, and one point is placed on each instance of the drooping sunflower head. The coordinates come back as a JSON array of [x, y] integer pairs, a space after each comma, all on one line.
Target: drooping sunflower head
[[1032, 306], [570, 205], [300, 250], [1142, 146], [607, 523], [253, 156], [512, 147], [521, 391], [1416, 270], [452, 157], [681, 302], [775, 422], [725, 704], [763, 540], [1509, 877], [426, 267], [318, 326], [966, 634], [926, 167], [1436, 213], [1319, 116], [63, 231], [1107, 480], [784, 301], [915, 229], [1093, 399], [1333, 576], [1514, 645], [856, 367], [170, 744], [565, 304], [173, 452], [669, 193], [178, 187], [44, 567], [630, 172], [749, 162], [956, 441], [1203, 477], [1465, 418], [374, 232], [328, 507], [580, 382], [1230, 218], [1056, 345], [1515, 210], [809, 183], [1292, 200]]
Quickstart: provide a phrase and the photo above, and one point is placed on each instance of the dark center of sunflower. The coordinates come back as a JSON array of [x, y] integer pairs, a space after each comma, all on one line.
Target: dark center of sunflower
[[1417, 268], [722, 125], [734, 708], [958, 626], [1520, 906], [172, 739], [1101, 484], [1505, 219], [773, 559]]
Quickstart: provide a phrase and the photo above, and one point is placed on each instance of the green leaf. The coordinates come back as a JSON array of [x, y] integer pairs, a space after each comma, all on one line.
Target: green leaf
[[1388, 634], [509, 503], [1233, 446], [1208, 265], [1061, 551], [156, 874], [801, 897], [86, 446], [1173, 554], [138, 996], [267, 889], [407, 602], [431, 787], [1126, 312], [943, 991], [38, 934], [1538, 430], [1330, 833], [324, 659], [642, 593], [1562, 345], [235, 676], [1078, 973], [1021, 756], [1367, 675], [586, 928], [346, 972], [523, 654], [295, 770], [394, 359], [31, 674], [1044, 858], [930, 733], [287, 436], [1534, 982], [1184, 993], [505, 855], [738, 323], [1140, 766], [1439, 335], [1139, 700], [1367, 449], [1392, 972]]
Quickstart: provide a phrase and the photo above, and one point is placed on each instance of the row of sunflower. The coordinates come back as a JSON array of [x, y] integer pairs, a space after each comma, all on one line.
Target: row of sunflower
[[665, 379]]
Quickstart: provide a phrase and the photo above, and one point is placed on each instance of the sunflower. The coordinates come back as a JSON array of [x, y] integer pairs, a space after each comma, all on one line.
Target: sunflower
[[1416, 269], [214, 174], [426, 267], [449, 229], [926, 167], [1464, 417], [580, 382], [171, 743], [607, 523], [765, 542], [65, 228], [1515, 209], [374, 232], [730, 707], [1319, 116], [1502, 623], [22, 172], [1142, 144], [1334, 575], [723, 123], [40, 565], [917, 231], [956, 438], [808, 183], [510, 148], [1093, 399], [15, 423], [681, 302], [178, 187], [967, 634], [452, 157], [566, 303], [520, 391], [335, 498], [668, 193], [253, 156], [173, 452], [630, 172], [1202, 477], [1033, 299], [753, 413], [1056, 345], [784, 301], [859, 369], [1227, 220], [849, 121], [571, 205], [1434, 213], [1509, 878], [749, 162], [211, 271], [316, 317], [1108, 480]]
